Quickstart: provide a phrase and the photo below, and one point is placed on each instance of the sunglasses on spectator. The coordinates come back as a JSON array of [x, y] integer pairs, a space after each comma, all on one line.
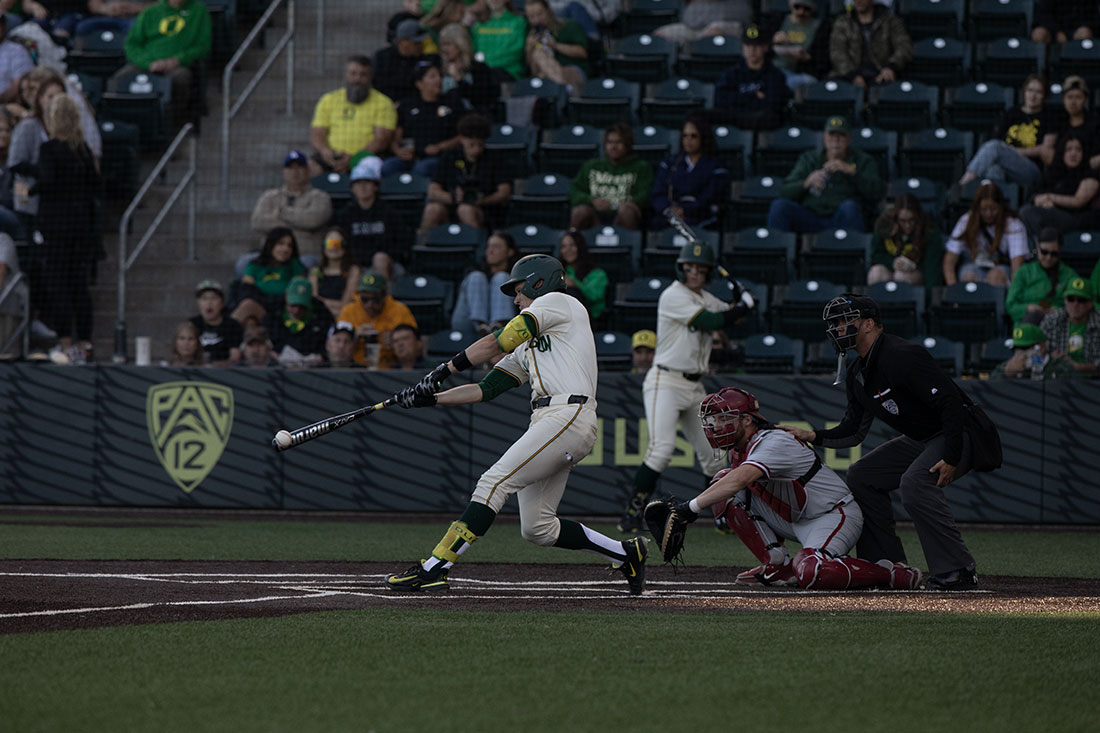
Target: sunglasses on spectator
[[1049, 252], [1076, 299]]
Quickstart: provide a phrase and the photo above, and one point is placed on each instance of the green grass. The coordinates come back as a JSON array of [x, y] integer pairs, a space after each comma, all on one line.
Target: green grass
[[398, 671]]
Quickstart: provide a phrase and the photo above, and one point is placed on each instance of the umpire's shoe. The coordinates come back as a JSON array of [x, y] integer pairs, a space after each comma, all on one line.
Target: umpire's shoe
[[419, 580], [636, 549], [964, 579]]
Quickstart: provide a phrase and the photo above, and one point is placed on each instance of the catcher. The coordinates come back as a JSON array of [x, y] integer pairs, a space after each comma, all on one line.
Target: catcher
[[777, 489]]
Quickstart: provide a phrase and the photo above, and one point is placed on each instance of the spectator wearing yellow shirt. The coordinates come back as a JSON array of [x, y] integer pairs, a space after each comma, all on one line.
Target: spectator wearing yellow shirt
[[374, 314], [352, 119]]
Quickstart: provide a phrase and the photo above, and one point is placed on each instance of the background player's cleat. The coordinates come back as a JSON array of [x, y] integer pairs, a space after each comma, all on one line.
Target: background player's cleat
[[768, 574], [636, 549], [631, 523], [722, 526], [902, 577], [964, 579], [417, 579]]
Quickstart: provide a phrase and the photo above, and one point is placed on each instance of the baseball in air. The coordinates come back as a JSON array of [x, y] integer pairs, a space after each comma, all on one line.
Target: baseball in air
[[283, 438]]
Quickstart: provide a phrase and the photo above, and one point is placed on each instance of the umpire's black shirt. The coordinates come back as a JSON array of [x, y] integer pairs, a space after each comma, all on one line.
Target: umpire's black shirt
[[901, 384]]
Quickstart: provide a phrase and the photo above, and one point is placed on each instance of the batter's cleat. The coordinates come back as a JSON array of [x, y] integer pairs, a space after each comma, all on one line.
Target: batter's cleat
[[768, 574], [902, 577], [631, 523], [636, 549], [418, 580], [964, 579]]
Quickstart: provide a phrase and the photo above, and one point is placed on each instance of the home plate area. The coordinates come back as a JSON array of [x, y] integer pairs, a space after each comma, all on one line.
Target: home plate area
[[41, 595]]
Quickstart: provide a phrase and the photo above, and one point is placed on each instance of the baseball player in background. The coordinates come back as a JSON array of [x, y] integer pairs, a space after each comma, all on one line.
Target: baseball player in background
[[687, 313], [550, 345], [778, 488]]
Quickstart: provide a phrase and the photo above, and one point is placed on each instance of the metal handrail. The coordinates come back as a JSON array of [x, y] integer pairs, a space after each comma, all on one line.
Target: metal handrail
[[229, 112], [22, 330], [126, 260]]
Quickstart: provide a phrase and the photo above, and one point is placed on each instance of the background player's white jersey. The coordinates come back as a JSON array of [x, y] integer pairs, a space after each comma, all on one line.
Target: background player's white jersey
[[783, 458], [561, 358], [679, 347]]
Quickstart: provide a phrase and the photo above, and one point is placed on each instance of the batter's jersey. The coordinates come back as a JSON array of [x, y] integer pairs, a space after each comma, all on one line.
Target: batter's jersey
[[560, 359], [679, 346], [783, 459]]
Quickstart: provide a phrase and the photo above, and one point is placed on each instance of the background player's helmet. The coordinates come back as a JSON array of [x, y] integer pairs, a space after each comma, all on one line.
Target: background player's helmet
[[540, 274], [717, 410], [699, 253], [843, 311]]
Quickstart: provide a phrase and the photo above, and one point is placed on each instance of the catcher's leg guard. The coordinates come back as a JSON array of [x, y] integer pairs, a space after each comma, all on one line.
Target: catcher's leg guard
[[815, 569], [756, 535]]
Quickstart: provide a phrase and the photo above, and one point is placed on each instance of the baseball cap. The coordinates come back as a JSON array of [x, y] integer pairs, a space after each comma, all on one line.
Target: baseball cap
[[1079, 286], [837, 123], [1026, 335], [754, 36], [367, 169], [372, 282], [256, 333], [341, 326], [299, 292], [294, 157], [863, 305], [1075, 82], [209, 284], [1050, 234], [645, 338], [410, 30]]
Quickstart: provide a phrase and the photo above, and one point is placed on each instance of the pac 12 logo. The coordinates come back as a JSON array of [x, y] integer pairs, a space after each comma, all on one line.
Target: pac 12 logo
[[189, 425]]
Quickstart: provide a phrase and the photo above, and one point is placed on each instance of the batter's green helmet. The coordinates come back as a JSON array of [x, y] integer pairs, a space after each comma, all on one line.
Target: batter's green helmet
[[540, 274], [698, 253]]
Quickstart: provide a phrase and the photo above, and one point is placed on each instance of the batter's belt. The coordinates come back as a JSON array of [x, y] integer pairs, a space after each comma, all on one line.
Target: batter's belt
[[559, 399], [685, 375]]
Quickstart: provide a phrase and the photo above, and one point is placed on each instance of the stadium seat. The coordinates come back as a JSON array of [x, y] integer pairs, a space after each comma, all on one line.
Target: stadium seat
[[838, 256], [643, 16], [428, 298], [751, 200], [990, 354], [939, 62], [903, 106], [976, 107], [617, 250], [99, 53], [641, 58], [565, 149], [90, 86], [777, 151], [796, 308], [940, 154], [653, 143], [932, 18], [948, 354], [968, 312], [880, 144], [752, 323], [1080, 250], [121, 161], [534, 238], [541, 199], [734, 148], [669, 102], [516, 144], [446, 343], [447, 250], [1008, 61], [902, 307], [550, 98], [602, 102], [763, 255], [659, 257], [403, 195], [636, 308], [1081, 57], [993, 19], [613, 351], [141, 99], [928, 191], [708, 57], [335, 185], [815, 103], [772, 353]]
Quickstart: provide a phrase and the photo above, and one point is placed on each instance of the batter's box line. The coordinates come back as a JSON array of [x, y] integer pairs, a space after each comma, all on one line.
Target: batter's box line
[[160, 604]]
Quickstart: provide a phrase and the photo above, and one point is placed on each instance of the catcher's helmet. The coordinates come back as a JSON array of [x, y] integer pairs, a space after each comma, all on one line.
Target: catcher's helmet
[[698, 253], [728, 402], [843, 311], [540, 274]]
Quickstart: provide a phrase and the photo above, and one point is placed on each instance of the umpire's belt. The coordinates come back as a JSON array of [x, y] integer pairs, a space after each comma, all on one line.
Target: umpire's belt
[[558, 400], [685, 375]]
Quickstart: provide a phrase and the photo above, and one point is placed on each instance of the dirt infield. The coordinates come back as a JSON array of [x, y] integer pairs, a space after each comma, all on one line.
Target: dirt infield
[[49, 595]]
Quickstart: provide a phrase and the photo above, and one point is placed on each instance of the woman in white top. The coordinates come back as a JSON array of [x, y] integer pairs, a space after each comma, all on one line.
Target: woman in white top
[[989, 242]]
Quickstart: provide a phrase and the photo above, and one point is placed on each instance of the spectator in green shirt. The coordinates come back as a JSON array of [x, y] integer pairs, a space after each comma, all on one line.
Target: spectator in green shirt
[[1073, 331], [500, 39], [1026, 339], [1039, 285], [555, 49], [586, 281], [613, 189]]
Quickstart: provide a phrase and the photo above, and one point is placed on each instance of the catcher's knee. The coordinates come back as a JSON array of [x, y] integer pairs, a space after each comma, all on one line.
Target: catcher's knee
[[542, 532]]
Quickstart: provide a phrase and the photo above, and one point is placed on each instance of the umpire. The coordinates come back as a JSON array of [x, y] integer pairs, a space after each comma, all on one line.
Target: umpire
[[898, 382]]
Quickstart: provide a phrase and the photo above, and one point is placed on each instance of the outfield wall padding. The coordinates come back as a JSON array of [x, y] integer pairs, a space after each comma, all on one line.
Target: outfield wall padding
[[168, 437]]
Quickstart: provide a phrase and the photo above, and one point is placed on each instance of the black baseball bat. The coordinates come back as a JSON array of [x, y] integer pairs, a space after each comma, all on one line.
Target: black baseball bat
[[322, 427]]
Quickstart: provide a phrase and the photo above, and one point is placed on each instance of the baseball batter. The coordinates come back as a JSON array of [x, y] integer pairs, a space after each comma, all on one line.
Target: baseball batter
[[777, 489], [687, 313], [550, 345]]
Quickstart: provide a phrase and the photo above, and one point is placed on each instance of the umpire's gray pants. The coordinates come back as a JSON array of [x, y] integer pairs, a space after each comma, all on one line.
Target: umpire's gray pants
[[903, 463]]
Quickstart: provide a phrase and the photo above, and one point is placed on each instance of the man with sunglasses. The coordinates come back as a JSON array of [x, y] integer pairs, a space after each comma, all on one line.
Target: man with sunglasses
[[1037, 288], [801, 45], [1073, 331], [898, 382], [374, 314]]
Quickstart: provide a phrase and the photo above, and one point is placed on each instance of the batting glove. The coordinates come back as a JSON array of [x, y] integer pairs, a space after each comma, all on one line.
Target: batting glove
[[415, 396], [434, 379]]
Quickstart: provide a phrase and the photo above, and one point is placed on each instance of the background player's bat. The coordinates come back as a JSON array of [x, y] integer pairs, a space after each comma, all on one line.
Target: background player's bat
[[681, 227], [286, 439]]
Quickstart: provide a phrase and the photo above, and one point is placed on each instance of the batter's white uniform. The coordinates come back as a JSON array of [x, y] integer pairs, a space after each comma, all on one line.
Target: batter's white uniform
[[823, 514], [560, 363], [669, 395]]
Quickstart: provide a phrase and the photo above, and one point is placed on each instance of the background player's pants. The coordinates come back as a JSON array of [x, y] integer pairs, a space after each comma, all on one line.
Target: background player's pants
[[669, 398], [835, 531], [903, 463], [537, 467]]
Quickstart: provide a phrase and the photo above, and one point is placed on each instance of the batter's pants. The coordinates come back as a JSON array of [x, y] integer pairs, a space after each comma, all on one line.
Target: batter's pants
[[671, 399], [537, 466], [903, 463]]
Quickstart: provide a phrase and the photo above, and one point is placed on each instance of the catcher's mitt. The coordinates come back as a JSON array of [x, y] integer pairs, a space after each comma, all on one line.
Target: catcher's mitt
[[668, 521]]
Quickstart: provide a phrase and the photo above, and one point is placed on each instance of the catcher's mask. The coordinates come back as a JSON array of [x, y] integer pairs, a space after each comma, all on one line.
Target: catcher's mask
[[540, 274], [719, 410], [841, 314]]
